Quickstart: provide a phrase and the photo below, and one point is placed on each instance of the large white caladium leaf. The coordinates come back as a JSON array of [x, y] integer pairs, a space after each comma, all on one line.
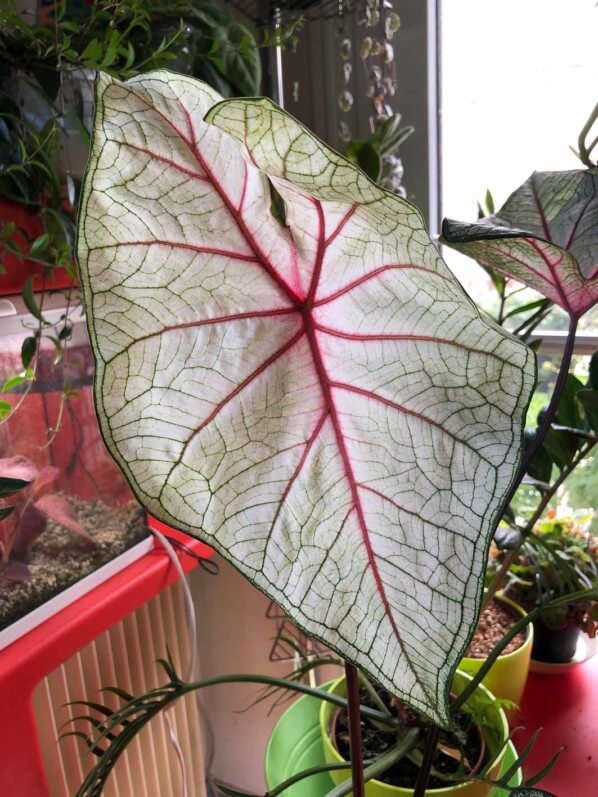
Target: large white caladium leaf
[[313, 395], [545, 235]]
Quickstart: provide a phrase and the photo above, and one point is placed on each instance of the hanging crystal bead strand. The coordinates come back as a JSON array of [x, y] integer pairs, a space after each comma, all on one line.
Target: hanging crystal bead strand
[[392, 169], [345, 96]]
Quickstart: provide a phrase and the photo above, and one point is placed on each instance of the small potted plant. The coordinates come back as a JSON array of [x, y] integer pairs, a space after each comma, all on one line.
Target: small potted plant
[[559, 557], [474, 747]]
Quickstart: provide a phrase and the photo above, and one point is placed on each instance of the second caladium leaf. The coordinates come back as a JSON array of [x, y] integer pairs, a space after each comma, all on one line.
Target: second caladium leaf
[[545, 235], [310, 392]]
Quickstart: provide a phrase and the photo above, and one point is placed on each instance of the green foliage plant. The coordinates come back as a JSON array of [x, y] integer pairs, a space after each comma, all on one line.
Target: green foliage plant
[[46, 75]]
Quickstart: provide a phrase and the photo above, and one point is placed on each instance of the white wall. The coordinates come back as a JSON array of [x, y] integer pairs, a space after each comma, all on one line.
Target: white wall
[[235, 636]]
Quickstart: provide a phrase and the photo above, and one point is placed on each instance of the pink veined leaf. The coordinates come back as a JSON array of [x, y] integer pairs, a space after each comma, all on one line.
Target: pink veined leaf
[[318, 399], [545, 235], [44, 482], [15, 573], [31, 524], [58, 509]]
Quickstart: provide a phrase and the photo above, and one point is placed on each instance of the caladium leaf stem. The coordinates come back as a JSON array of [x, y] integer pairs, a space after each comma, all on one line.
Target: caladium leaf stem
[[308, 391]]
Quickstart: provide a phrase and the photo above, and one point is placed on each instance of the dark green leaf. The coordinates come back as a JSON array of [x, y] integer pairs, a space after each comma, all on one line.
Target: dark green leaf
[[531, 780], [498, 280], [12, 382], [4, 131], [7, 230], [541, 465], [593, 375], [205, 70], [364, 155], [31, 302], [5, 409], [28, 350], [14, 248], [391, 141], [130, 56], [561, 447], [509, 514], [9, 486], [40, 245], [66, 332], [59, 349], [524, 308], [241, 60], [125, 696], [93, 51], [589, 402], [277, 205], [5, 511], [568, 412]]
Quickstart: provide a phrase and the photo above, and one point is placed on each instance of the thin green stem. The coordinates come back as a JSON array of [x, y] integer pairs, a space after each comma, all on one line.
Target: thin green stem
[[381, 764], [501, 308], [584, 151], [365, 682]]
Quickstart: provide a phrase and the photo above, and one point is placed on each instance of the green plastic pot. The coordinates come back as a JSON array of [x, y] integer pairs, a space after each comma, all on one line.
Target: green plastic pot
[[507, 677], [496, 735]]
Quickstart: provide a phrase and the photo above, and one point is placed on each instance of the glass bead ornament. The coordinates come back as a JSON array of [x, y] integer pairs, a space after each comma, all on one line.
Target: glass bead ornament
[[345, 100]]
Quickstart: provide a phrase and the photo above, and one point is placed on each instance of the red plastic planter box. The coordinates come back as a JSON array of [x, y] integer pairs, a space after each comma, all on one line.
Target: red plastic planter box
[[29, 659]]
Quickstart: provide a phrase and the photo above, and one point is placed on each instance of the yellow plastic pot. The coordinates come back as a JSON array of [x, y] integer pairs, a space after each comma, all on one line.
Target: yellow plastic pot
[[507, 676], [495, 736]]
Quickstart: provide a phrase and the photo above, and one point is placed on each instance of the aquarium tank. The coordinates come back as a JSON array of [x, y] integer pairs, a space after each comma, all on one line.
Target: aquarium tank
[[65, 508]]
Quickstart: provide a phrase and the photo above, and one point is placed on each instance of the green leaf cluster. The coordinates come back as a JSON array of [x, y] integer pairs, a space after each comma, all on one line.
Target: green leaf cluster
[[575, 428], [216, 47], [385, 141], [123, 38]]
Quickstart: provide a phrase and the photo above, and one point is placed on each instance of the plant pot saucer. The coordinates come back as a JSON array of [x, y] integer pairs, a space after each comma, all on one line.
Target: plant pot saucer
[[586, 648], [296, 744]]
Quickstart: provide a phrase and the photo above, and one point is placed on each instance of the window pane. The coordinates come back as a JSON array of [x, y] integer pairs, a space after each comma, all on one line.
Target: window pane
[[518, 81]]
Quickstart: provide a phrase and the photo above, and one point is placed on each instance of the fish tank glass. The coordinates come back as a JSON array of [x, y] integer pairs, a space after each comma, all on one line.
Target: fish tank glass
[[74, 511]]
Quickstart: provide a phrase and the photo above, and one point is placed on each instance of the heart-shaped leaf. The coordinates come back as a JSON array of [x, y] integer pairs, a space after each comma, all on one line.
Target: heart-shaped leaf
[[545, 236], [318, 399]]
